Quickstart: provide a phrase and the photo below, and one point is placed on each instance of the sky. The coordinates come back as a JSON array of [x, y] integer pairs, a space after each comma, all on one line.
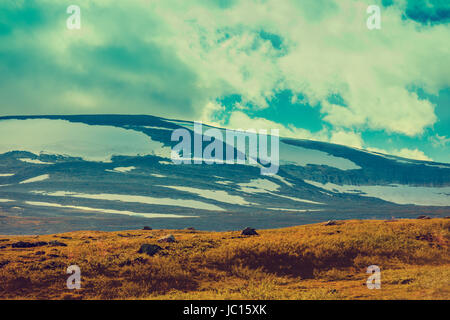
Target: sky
[[311, 69]]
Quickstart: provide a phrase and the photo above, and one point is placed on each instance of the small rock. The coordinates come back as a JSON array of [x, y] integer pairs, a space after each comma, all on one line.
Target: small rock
[[39, 253], [168, 238], [447, 217], [2, 247], [4, 240], [190, 228], [146, 228], [423, 217], [406, 281], [149, 249], [149, 237], [330, 223], [249, 232]]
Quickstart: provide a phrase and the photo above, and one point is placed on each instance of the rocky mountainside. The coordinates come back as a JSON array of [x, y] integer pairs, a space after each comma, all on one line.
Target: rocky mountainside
[[112, 172]]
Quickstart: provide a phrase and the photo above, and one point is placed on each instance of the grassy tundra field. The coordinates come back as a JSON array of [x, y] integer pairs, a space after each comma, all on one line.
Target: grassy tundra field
[[304, 262]]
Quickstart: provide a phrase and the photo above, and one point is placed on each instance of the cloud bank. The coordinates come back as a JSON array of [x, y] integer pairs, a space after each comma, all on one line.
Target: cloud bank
[[180, 58]]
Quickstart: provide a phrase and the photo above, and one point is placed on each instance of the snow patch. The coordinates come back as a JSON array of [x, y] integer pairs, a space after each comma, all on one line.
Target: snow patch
[[134, 198], [36, 179], [34, 161], [224, 182], [258, 186], [292, 154], [283, 180], [90, 142], [159, 128], [218, 195], [121, 169], [400, 194], [297, 199], [294, 210], [158, 175], [128, 213]]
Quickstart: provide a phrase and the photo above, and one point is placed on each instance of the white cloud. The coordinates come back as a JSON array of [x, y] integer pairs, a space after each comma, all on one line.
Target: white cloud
[[412, 154], [192, 52], [404, 153], [328, 51], [240, 120], [439, 141], [347, 138]]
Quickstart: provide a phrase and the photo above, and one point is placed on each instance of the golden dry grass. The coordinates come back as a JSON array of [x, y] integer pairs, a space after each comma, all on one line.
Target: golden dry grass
[[303, 262]]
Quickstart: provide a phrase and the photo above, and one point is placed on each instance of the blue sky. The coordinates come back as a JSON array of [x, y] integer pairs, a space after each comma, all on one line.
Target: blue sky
[[309, 68]]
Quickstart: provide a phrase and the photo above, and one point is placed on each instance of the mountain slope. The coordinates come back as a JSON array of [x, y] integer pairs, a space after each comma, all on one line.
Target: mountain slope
[[112, 172]]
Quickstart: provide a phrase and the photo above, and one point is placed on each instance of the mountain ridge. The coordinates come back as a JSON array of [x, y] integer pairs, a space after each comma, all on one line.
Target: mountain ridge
[[70, 169]]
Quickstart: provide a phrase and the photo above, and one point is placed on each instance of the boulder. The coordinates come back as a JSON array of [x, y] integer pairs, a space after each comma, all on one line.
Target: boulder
[[423, 217], [249, 232], [167, 238], [146, 228], [330, 223], [149, 249]]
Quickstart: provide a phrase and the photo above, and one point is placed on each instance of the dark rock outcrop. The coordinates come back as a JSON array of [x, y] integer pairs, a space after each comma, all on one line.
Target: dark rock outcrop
[[249, 232], [23, 244], [56, 243], [168, 238], [149, 249]]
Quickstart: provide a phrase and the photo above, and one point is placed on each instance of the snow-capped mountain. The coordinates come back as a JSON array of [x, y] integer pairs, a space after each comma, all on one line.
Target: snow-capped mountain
[[105, 172]]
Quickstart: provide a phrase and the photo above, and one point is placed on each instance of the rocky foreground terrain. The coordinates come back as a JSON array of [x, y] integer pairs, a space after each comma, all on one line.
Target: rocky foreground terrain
[[319, 261]]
